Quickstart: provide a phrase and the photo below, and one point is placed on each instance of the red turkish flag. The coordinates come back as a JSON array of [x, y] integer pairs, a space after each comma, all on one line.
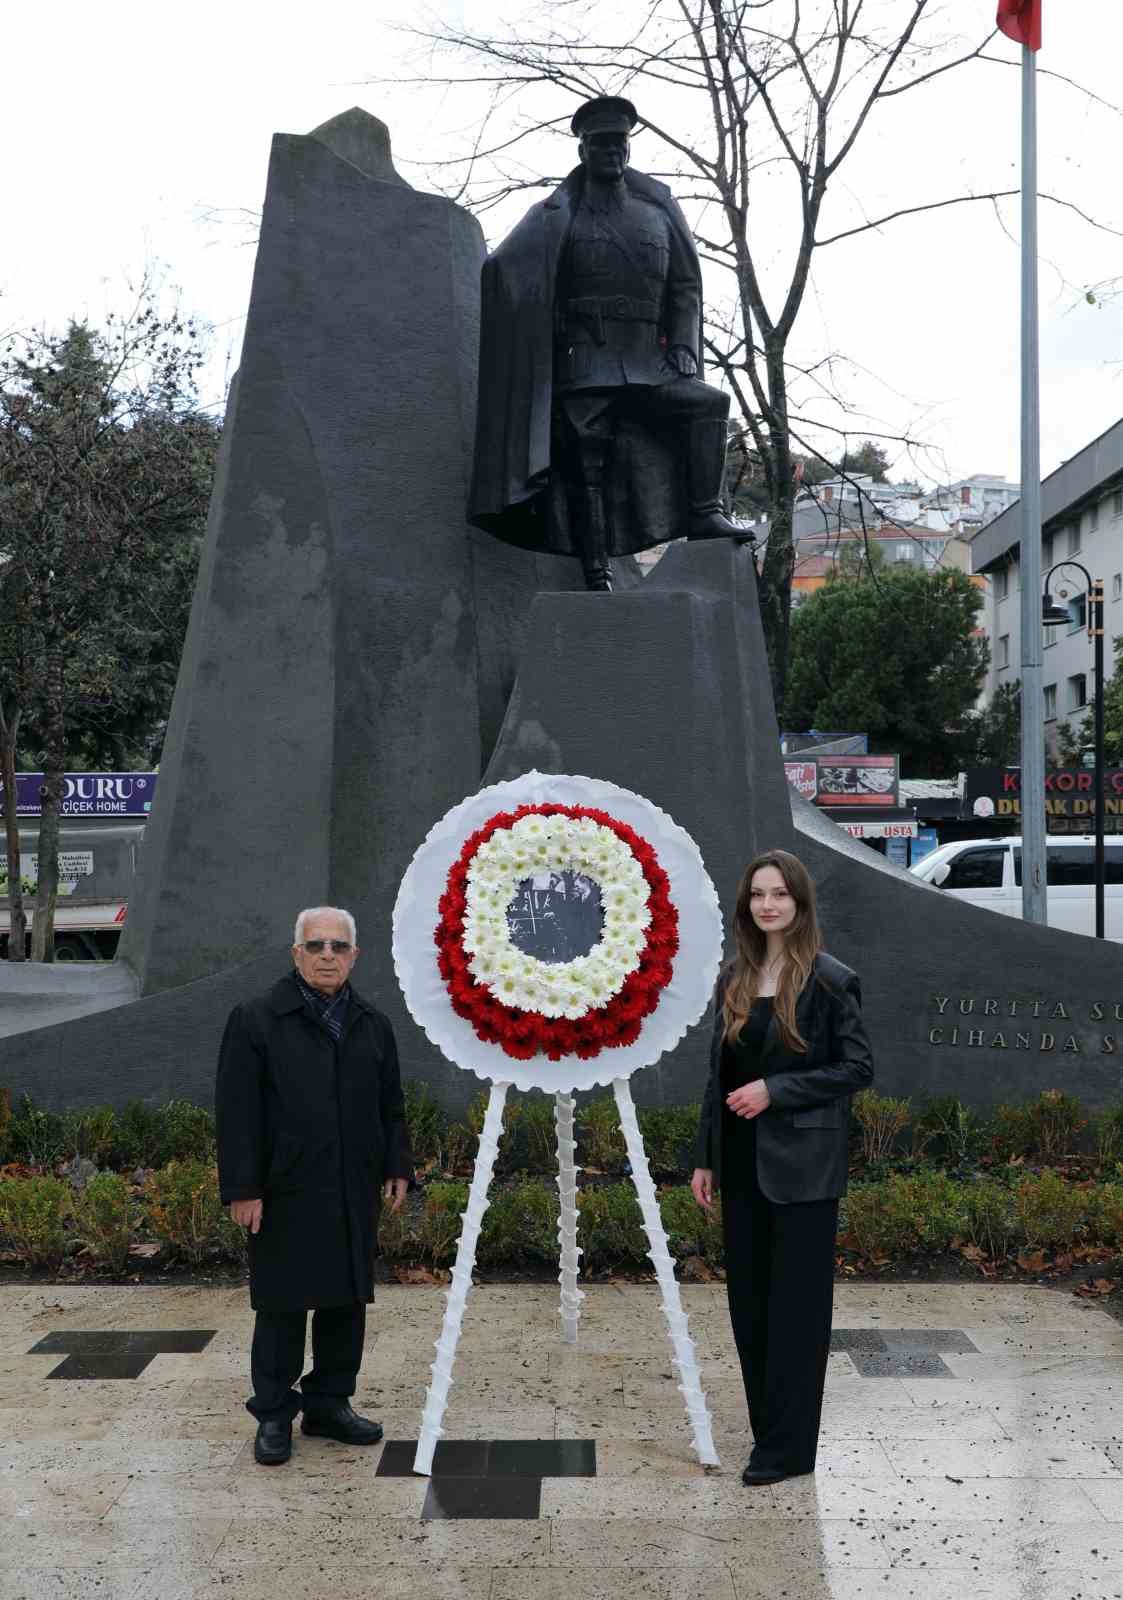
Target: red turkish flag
[[1020, 20]]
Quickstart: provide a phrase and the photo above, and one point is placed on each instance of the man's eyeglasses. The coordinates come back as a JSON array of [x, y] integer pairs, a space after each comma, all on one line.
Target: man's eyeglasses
[[338, 947]]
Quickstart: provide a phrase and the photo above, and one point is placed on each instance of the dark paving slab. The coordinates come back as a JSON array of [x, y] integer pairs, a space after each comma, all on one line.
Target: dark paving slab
[[111, 1353], [497, 1499]]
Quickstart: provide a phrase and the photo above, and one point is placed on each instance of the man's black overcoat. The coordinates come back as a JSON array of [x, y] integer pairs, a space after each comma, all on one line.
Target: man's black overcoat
[[311, 1126], [516, 494], [802, 1140]]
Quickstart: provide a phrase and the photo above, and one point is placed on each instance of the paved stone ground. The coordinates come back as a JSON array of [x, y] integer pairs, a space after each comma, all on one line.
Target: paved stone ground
[[972, 1444]]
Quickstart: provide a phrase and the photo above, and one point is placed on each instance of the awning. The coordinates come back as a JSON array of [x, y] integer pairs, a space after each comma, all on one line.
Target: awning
[[876, 822]]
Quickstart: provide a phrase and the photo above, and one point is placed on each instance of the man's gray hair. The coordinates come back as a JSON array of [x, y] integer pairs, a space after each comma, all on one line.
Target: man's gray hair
[[323, 911]]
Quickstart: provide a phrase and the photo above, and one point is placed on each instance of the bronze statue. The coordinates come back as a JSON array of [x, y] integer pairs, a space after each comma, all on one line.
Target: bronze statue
[[595, 435]]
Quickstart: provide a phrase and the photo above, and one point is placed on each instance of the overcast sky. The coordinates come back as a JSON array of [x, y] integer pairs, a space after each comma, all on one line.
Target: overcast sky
[[143, 137]]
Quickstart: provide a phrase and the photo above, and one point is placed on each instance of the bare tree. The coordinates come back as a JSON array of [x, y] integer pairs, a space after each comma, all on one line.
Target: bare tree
[[736, 92]]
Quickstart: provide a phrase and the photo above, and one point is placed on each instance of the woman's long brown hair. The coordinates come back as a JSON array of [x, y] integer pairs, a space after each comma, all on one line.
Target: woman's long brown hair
[[802, 943]]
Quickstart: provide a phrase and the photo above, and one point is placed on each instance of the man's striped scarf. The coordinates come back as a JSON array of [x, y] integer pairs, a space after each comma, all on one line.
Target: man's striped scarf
[[330, 1008]]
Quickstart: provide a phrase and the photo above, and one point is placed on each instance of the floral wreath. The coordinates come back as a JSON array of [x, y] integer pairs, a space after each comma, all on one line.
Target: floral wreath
[[579, 1007], [502, 1013]]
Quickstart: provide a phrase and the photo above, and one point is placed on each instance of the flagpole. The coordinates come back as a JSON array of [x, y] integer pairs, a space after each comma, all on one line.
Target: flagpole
[[1034, 907]]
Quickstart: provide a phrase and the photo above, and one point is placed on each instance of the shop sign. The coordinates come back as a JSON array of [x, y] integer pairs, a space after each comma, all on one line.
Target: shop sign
[[1070, 797], [88, 794], [852, 781]]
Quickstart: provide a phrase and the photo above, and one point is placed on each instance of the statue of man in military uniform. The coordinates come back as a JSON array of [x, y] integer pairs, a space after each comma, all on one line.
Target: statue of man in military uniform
[[595, 434]]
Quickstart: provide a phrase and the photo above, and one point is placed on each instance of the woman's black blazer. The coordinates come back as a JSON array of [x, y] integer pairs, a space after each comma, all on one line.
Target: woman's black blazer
[[802, 1140]]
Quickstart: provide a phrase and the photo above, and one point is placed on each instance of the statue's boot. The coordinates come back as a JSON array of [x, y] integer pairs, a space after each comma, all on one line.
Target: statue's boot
[[593, 525], [706, 467]]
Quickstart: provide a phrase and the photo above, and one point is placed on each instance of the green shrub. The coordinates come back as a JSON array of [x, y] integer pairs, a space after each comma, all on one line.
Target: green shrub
[[35, 1136], [508, 1141], [539, 1133], [1049, 1211], [439, 1228], [610, 1227], [459, 1146], [184, 1210], [90, 1132], [990, 1216], [669, 1133], [691, 1230], [905, 1213], [186, 1133], [1045, 1127], [950, 1129], [1107, 1129], [103, 1220], [865, 1220], [520, 1226], [1056, 1118], [600, 1136], [1011, 1132], [881, 1119], [5, 1123], [33, 1213], [1105, 1214], [139, 1135], [425, 1122], [398, 1233]]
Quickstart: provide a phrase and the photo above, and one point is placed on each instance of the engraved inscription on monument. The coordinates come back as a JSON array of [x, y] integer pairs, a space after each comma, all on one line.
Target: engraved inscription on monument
[[989, 1023]]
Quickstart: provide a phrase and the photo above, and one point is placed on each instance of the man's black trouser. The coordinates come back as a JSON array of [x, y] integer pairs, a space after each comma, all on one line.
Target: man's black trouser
[[779, 1276], [277, 1358]]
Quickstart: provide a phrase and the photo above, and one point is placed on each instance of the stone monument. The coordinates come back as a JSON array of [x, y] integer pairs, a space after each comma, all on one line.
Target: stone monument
[[359, 660]]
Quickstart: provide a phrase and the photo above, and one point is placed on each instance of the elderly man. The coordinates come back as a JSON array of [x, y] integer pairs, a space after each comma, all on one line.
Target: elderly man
[[311, 1137]]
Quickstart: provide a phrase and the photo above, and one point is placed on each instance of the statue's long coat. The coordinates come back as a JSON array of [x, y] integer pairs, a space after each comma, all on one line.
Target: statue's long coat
[[515, 492]]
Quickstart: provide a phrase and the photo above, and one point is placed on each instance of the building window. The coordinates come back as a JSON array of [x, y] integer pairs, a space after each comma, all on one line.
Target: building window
[[1117, 503], [1074, 537], [1001, 583], [1093, 517], [1003, 651], [964, 495], [903, 552], [1117, 586], [1079, 608], [1078, 692], [1050, 698], [1046, 551]]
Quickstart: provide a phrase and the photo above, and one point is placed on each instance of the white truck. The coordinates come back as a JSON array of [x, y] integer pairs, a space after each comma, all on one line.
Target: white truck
[[97, 870]]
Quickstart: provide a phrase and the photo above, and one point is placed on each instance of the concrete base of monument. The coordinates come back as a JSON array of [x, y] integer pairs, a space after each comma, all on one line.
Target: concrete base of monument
[[662, 688], [33, 995]]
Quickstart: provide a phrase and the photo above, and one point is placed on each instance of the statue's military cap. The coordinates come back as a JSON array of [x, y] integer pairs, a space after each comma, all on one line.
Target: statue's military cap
[[608, 113]]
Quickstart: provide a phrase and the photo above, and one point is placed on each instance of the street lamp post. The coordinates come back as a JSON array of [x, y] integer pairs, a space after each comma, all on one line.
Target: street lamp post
[[1052, 616]]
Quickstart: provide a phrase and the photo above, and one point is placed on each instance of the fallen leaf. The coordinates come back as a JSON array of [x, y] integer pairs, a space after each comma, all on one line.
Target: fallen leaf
[[419, 1275], [145, 1251], [1033, 1260], [694, 1270], [973, 1252], [1097, 1287]]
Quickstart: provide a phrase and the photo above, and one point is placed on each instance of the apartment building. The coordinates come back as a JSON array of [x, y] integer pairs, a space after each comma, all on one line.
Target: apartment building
[[1081, 520]]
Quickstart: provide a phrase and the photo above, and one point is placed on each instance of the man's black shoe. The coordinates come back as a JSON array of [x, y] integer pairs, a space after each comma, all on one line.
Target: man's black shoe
[[340, 1422], [274, 1441], [756, 1477]]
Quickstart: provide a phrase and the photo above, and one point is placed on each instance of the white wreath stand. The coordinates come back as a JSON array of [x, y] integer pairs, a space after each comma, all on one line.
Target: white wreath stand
[[685, 1360]]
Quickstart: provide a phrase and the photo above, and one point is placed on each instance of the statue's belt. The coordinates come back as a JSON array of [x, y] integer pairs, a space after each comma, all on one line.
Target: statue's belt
[[594, 309]]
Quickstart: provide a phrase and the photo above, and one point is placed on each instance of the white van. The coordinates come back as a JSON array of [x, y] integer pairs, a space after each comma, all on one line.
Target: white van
[[988, 872]]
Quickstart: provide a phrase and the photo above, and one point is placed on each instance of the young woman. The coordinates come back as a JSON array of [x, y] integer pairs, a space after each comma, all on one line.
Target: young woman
[[788, 1050]]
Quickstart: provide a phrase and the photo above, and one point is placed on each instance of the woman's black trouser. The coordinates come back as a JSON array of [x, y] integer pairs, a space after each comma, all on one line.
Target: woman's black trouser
[[277, 1357], [779, 1266]]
